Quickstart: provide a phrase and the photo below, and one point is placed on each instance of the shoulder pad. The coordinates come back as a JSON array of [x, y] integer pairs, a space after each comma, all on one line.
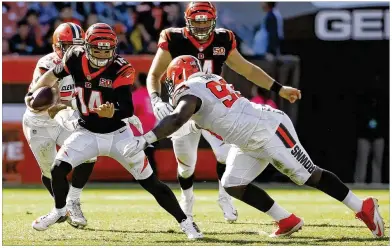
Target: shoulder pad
[[48, 61]]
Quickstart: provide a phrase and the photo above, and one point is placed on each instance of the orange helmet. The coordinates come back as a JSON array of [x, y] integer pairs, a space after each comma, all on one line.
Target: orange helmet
[[99, 37], [200, 12], [66, 35], [180, 69]]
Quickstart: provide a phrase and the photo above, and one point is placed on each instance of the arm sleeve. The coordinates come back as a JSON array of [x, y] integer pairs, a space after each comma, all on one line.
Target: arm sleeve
[[273, 38], [123, 104]]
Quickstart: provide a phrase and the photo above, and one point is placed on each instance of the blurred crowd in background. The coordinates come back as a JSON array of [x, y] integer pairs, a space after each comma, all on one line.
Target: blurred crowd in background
[[28, 27]]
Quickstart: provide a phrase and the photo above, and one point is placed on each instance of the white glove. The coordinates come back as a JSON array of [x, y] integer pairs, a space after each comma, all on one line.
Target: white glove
[[135, 121], [138, 144], [161, 109]]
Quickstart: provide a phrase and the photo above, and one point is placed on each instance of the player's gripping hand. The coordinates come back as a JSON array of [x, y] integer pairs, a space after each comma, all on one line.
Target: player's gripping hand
[[52, 111], [161, 109], [27, 100], [289, 93], [137, 145], [105, 110]]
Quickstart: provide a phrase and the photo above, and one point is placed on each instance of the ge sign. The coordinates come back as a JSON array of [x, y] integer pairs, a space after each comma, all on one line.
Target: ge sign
[[356, 25]]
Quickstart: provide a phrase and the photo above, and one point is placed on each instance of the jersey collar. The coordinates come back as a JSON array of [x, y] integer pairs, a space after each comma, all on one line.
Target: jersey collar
[[86, 71], [199, 46]]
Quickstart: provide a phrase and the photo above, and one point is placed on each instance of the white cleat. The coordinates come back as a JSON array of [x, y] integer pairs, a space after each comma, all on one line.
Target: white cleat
[[229, 212], [75, 214], [186, 205], [45, 221], [191, 229]]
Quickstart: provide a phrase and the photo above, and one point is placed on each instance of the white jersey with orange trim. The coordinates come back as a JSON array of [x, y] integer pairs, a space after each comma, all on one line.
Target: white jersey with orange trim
[[225, 112], [66, 89]]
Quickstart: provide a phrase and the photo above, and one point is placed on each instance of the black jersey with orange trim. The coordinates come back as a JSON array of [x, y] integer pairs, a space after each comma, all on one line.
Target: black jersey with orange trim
[[94, 88], [211, 54]]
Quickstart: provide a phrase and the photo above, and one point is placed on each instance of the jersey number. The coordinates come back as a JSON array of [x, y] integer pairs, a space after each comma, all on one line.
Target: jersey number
[[94, 102], [208, 66], [220, 90]]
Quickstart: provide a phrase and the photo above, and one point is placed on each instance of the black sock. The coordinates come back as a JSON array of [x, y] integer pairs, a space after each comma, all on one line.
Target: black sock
[[220, 169], [164, 196], [81, 175], [60, 183], [48, 184], [149, 151], [252, 196], [185, 183], [330, 184]]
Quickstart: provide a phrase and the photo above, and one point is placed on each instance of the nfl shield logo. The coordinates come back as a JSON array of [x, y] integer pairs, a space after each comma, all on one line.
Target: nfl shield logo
[[200, 55]]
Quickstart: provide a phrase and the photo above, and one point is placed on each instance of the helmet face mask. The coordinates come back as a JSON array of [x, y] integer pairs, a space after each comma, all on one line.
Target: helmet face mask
[[100, 56], [65, 36], [200, 18], [201, 30], [101, 44]]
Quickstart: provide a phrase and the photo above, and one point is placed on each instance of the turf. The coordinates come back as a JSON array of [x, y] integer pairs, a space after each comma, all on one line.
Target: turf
[[132, 217]]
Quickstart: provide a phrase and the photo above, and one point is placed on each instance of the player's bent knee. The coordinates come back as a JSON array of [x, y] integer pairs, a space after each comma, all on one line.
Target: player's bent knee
[[314, 179], [60, 168], [185, 172], [236, 191]]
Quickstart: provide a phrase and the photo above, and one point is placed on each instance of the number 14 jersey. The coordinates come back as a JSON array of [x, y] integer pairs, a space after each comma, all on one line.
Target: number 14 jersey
[[97, 87], [225, 112]]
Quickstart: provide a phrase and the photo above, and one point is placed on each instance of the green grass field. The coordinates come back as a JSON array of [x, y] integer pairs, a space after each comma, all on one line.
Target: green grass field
[[132, 217]]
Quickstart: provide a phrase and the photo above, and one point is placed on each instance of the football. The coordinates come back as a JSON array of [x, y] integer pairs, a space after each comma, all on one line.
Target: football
[[43, 98]]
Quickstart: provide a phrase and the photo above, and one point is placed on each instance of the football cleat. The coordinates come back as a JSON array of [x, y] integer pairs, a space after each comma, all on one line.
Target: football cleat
[[186, 205], [288, 226], [75, 214], [371, 217], [44, 222], [191, 229], [229, 212]]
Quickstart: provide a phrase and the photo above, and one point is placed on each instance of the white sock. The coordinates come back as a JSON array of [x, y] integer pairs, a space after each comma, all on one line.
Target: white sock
[[353, 202], [222, 191], [187, 193], [61, 211], [277, 212], [74, 193]]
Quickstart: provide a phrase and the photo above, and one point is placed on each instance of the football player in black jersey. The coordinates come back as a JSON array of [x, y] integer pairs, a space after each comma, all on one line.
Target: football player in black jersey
[[212, 47], [103, 84]]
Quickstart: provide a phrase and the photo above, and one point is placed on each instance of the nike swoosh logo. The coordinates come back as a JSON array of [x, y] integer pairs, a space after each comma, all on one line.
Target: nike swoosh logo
[[122, 131], [137, 144], [379, 230]]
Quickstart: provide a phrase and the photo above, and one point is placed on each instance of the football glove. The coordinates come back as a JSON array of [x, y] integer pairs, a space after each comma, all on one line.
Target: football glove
[[160, 108]]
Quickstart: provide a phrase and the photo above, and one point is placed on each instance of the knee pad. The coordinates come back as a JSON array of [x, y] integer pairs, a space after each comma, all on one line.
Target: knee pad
[[221, 153], [185, 171]]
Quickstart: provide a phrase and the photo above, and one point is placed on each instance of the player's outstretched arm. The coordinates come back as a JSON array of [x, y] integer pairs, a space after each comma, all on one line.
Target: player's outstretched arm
[[158, 67], [168, 125], [48, 79], [181, 114], [259, 77]]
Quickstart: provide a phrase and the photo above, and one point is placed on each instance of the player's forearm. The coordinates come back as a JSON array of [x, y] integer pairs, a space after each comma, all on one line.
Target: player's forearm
[[259, 77], [48, 79], [168, 125], [153, 84]]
